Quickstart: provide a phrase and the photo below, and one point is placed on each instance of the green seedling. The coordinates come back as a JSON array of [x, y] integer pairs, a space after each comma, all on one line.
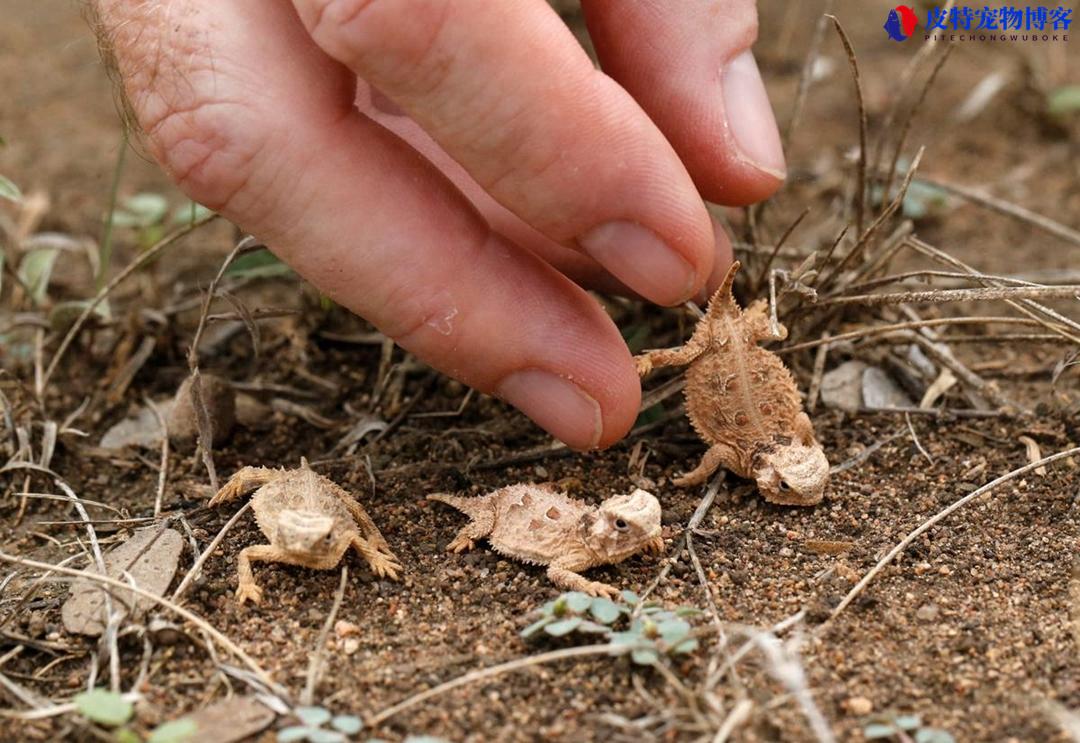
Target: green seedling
[[654, 633]]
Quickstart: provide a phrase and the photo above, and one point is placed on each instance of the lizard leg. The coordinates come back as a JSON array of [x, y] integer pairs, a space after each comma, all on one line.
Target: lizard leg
[[718, 455], [756, 317], [243, 482], [479, 527], [570, 580], [247, 588], [383, 564], [804, 430], [368, 529], [680, 356]]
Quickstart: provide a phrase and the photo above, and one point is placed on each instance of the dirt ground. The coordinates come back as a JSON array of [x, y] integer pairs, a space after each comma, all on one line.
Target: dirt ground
[[973, 628]]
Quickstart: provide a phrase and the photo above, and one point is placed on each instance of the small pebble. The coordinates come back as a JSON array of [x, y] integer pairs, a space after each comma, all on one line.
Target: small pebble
[[350, 645], [343, 628], [859, 706], [927, 613]]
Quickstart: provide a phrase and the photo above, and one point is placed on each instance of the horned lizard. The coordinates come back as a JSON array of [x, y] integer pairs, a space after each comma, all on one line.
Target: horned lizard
[[309, 520], [543, 526], [743, 402]]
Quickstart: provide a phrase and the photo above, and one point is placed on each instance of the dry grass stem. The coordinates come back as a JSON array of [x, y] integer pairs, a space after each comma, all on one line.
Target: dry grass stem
[[936, 518], [198, 621], [939, 296], [307, 696], [143, 259], [861, 171], [196, 567]]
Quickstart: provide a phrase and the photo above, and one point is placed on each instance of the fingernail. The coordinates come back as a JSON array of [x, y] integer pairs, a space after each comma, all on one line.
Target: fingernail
[[640, 259], [750, 116], [556, 404]]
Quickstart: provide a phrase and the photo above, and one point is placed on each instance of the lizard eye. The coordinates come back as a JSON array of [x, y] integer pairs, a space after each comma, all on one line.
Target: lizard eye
[[784, 486], [621, 525]]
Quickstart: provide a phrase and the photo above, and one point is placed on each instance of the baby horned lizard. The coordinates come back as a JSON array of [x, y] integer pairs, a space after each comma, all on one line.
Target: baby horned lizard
[[743, 402], [309, 520], [540, 525]]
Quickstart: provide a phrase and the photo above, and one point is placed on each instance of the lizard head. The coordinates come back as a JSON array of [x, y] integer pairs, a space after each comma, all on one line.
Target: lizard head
[[793, 474], [307, 533], [624, 525]]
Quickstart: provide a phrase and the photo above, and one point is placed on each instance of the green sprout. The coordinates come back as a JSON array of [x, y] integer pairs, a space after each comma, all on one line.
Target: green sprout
[[654, 633], [311, 727], [905, 728]]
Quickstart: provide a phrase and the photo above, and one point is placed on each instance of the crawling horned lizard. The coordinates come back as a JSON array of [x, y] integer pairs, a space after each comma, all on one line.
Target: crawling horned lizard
[[309, 520], [540, 525], [743, 402]]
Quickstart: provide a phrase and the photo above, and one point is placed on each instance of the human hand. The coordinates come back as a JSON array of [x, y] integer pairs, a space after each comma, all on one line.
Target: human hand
[[304, 123]]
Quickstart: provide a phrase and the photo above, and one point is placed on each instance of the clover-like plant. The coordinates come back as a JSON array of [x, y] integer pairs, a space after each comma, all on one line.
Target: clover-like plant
[[905, 728], [653, 633], [311, 727]]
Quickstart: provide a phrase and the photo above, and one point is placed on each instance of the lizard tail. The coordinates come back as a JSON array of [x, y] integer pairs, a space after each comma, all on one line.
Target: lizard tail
[[723, 301], [468, 506]]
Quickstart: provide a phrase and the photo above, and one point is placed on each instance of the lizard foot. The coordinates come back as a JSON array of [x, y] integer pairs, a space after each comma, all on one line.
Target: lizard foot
[[595, 588], [384, 564], [461, 544], [643, 364], [248, 591]]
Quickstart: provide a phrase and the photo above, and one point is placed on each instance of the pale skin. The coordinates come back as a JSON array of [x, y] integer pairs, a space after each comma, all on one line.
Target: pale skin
[[458, 172]]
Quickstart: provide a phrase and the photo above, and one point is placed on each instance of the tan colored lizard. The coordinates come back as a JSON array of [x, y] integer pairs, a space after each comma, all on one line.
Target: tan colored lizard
[[743, 402], [309, 520], [542, 526]]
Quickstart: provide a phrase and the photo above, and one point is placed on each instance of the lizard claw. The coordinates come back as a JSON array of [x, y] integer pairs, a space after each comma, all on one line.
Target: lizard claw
[[656, 546], [643, 364], [384, 565], [461, 544], [248, 591], [595, 588]]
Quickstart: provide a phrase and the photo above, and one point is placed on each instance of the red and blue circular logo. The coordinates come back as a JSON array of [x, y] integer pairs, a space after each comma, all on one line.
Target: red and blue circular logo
[[901, 23]]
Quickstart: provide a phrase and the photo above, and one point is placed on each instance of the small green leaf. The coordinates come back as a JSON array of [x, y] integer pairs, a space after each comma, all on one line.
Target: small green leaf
[[312, 715], [578, 602], [907, 722], [318, 735], [623, 639], [126, 735], [258, 264], [630, 597], [9, 190], [536, 626], [348, 724], [879, 730], [104, 707], [673, 631], [604, 610], [176, 731], [1064, 100], [563, 626], [142, 210], [35, 269], [592, 627], [688, 645], [189, 213], [933, 735], [645, 656], [294, 733]]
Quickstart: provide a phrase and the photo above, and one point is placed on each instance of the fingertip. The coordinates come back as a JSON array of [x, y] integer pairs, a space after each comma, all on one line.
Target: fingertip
[[582, 419]]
